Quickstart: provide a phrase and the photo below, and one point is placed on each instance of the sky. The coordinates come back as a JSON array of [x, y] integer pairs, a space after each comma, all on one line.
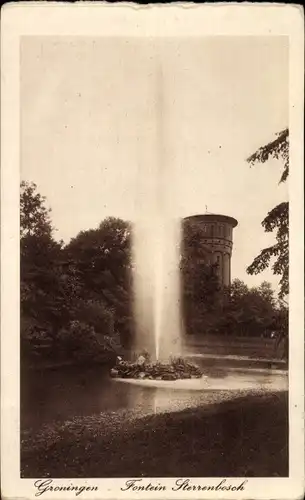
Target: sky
[[97, 114]]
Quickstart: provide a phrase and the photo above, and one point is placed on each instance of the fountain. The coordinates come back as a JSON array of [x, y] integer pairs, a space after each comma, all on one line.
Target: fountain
[[156, 249], [157, 288], [157, 302], [156, 256]]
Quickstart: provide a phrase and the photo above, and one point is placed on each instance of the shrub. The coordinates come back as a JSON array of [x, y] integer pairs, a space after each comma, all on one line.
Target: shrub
[[80, 342], [35, 339], [97, 315]]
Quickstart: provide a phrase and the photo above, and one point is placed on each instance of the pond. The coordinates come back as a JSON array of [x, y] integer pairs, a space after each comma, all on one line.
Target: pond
[[60, 394]]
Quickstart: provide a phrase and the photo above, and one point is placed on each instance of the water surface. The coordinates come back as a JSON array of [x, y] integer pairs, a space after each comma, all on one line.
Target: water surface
[[61, 394]]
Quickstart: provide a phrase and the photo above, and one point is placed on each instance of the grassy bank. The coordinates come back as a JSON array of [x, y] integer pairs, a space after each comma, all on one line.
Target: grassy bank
[[244, 437]]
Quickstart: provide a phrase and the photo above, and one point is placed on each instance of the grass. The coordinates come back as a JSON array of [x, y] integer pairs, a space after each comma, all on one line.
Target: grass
[[241, 438]]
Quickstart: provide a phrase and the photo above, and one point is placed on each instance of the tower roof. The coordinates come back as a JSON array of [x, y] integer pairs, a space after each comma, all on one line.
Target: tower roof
[[213, 217]]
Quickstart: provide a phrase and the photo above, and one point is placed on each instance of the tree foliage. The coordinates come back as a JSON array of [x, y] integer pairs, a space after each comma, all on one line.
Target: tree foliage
[[62, 287], [102, 259], [248, 311], [278, 149], [34, 215], [277, 220]]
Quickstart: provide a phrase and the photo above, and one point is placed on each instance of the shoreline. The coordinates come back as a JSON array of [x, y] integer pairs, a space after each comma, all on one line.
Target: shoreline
[[237, 422]]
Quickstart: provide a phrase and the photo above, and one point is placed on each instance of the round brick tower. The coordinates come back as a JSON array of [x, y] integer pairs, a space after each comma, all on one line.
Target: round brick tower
[[217, 238]]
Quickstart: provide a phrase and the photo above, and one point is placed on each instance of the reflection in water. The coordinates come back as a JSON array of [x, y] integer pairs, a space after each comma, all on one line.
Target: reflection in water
[[143, 399], [180, 394], [63, 394], [58, 395]]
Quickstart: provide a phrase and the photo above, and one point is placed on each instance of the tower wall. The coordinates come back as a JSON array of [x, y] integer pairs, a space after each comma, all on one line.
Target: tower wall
[[216, 234]]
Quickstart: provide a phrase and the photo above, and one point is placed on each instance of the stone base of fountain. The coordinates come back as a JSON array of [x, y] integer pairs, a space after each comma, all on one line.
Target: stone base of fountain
[[175, 369]]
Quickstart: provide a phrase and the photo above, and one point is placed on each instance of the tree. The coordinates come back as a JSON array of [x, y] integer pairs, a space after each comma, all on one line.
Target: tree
[[60, 305], [39, 251], [79, 341], [248, 311], [34, 215], [277, 219], [266, 291], [102, 258]]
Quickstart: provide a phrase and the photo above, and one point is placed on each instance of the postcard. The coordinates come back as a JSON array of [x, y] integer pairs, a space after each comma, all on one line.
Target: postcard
[[152, 299]]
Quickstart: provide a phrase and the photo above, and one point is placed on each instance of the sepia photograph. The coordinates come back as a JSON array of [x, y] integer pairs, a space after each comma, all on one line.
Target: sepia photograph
[[154, 250], [153, 303]]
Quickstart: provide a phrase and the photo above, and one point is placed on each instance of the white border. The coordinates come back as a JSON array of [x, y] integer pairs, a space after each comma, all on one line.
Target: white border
[[106, 20]]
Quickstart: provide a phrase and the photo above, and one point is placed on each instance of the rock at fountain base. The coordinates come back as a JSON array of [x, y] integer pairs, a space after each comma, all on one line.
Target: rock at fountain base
[[175, 369], [114, 373], [169, 376]]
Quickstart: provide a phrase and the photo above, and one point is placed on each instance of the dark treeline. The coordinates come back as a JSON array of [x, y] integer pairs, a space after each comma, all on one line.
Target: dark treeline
[[76, 299]]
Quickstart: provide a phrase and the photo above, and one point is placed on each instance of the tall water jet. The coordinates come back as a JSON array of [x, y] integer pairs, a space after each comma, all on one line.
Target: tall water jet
[[156, 247], [167, 300]]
